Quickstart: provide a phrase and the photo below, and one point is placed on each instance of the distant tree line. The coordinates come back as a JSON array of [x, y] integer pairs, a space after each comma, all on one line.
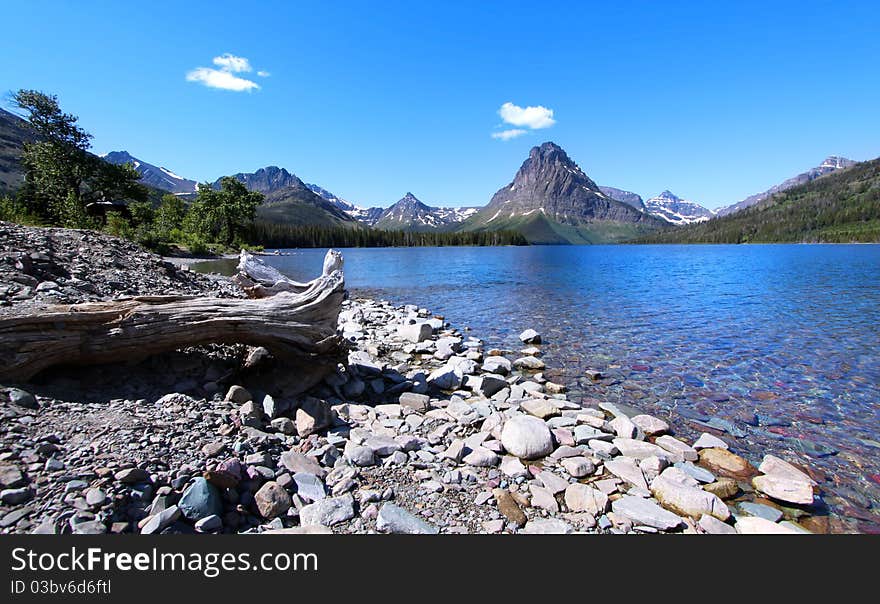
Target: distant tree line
[[273, 235], [841, 207]]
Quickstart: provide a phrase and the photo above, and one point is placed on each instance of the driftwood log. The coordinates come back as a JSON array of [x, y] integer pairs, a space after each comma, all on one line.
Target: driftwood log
[[296, 324]]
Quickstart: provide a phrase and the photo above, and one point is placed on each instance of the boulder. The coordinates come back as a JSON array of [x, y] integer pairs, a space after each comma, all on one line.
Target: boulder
[[725, 463], [687, 499], [526, 437], [798, 492]]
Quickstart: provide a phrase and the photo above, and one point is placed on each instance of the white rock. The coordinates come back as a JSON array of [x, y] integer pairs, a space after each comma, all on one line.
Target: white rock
[[650, 425], [526, 437], [708, 441], [675, 446], [645, 511], [753, 525], [578, 467], [584, 498], [687, 500], [779, 467], [784, 489], [530, 336]]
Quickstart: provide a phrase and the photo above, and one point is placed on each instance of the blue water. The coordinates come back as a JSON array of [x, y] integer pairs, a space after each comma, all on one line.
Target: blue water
[[787, 333]]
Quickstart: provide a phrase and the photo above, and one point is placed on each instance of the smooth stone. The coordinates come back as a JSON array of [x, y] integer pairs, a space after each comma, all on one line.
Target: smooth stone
[[540, 408], [687, 500], [578, 467], [677, 447], [696, 472], [529, 363], [394, 519], [709, 441], [644, 511], [641, 449], [779, 467], [526, 437], [797, 492], [160, 521], [650, 425], [481, 457], [726, 463]]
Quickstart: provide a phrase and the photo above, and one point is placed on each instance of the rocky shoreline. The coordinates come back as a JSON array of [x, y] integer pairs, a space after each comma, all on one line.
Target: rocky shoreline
[[420, 430]]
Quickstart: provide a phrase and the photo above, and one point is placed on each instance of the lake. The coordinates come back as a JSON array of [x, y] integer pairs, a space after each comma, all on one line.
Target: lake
[[779, 345]]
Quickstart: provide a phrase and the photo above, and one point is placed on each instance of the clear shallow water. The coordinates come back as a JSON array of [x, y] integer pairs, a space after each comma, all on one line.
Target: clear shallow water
[[782, 341]]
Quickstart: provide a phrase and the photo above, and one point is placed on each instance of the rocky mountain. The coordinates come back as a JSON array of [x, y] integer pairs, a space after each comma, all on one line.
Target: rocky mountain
[[153, 176], [410, 214], [14, 133], [551, 200], [628, 197], [368, 216], [831, 164], [290, 201], [675, 210], [840, 207]]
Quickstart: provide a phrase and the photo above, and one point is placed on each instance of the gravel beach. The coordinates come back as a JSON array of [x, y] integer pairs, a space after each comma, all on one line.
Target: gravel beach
[[421, 429]]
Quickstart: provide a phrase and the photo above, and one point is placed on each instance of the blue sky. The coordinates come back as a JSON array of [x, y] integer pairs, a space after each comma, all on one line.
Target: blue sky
[[713, 101]]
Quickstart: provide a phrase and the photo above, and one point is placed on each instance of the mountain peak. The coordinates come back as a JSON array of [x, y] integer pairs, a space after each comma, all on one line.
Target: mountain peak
[[671, 208], [836, 162]]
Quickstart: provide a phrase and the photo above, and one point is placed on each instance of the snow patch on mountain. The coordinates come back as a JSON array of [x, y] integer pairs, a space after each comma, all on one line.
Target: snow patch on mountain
[[675, 210]]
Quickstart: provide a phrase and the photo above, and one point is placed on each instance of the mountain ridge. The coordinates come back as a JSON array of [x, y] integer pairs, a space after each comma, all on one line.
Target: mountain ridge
[[829, 165]]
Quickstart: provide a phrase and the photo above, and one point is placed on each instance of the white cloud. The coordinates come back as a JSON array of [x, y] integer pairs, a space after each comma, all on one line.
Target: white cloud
[[263, 74], [224, 78], [506, 135], [216, 78], [534, 118], [229, 62]]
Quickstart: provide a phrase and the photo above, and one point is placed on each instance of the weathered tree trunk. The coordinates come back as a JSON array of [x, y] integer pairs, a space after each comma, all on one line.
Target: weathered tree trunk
[[296, 327], [260, 280]]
